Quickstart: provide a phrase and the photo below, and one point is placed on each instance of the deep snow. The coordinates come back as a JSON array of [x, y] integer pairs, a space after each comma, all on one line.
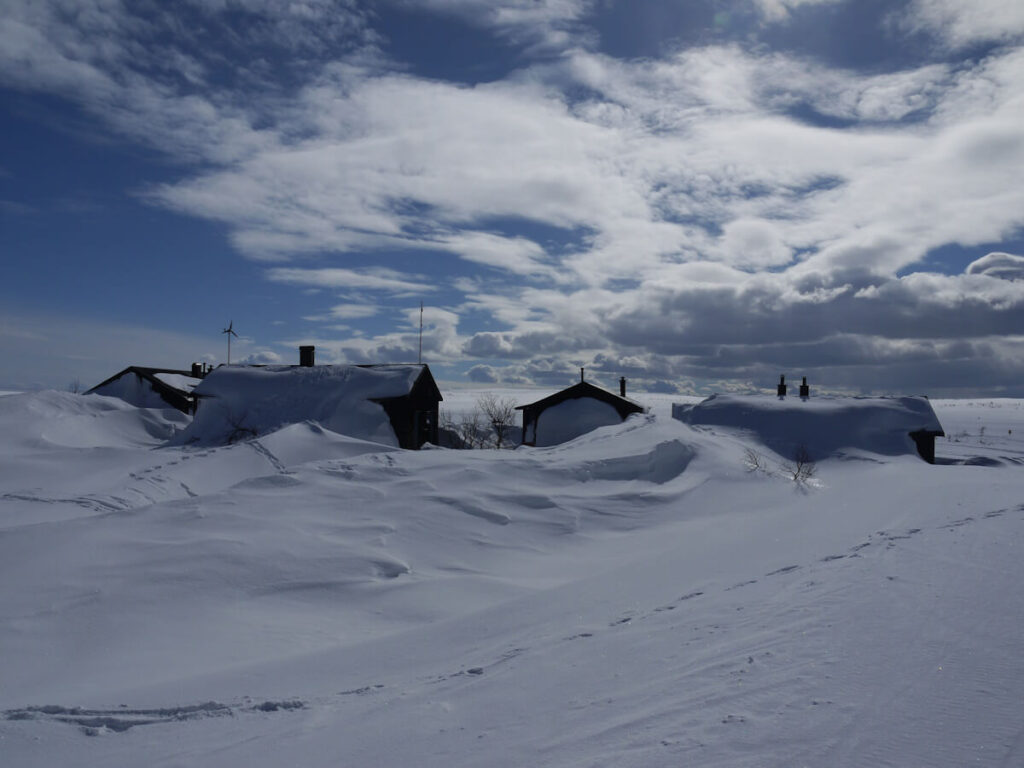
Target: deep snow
[[635, 597], [819, 427]]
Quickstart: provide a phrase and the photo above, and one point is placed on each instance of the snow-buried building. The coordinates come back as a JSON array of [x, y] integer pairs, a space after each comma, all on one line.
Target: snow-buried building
[[151, 387], [824, 426], [572, 412], [390, 404]]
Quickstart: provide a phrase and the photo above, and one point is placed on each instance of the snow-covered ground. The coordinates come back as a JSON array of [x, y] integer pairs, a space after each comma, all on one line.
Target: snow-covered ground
[[637, 597]]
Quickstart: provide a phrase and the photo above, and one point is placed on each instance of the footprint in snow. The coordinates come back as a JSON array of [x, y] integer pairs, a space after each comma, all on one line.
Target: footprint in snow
[[787, 569], [97, 722], [741, 584], [361, 691]]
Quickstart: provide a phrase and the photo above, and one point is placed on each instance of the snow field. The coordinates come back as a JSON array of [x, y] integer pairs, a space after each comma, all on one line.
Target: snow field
[[635, 597]]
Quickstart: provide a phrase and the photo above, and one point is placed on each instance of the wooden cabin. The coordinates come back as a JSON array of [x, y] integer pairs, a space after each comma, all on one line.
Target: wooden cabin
[[574, 411]]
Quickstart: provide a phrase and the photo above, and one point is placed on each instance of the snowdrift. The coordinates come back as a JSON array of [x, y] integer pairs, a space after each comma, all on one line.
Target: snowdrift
[[49, 418], [822, 426], [632, 597], [237, 402]]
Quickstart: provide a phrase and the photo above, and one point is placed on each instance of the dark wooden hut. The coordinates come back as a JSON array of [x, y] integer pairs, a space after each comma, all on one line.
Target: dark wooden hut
[[414, 415]]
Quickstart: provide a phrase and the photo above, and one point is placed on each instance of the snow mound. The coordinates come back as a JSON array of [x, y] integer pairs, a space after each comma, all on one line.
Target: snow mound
[[238, 402], [51, 418], [309, 442], [637, 449], [823, 426]]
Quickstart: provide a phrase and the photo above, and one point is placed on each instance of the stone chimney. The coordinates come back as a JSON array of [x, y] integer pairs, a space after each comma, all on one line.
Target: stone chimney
[[805, 391], [306, 356], [622, 386], [782, 386]]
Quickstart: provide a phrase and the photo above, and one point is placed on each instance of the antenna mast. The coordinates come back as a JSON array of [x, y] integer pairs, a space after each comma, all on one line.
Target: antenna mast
[[419, 359]]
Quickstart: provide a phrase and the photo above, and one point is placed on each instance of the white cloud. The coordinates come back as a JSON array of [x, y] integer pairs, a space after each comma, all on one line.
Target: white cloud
[[779, 10], [708, 202], [261, 357], [754, 243], [962, 23], [1006, 266], [353, 311], [335, 277], [548, 24]]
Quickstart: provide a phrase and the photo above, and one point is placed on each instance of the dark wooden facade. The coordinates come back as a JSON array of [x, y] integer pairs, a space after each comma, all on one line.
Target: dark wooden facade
[[531, 413], [924, 439], [414, 416]]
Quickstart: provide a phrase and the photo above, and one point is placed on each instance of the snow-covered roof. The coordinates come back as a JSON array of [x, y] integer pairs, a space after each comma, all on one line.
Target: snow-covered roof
[[238, 401], [582, 389], [824, 426], [178, 380], [149, 387]]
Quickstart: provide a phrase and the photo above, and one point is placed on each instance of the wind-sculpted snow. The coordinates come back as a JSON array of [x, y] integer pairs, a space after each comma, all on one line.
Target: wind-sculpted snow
[[636, 596], [49, 419]]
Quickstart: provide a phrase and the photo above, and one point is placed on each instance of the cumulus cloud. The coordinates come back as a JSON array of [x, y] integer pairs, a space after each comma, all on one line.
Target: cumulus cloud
[[261, 357], [483, 374], [721, 210], [1006, 266]]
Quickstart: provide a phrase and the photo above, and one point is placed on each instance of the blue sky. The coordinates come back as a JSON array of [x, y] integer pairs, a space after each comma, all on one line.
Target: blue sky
[[696, 195]]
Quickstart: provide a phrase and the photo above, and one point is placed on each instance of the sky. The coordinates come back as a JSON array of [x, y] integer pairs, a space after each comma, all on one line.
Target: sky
[[699, 196]]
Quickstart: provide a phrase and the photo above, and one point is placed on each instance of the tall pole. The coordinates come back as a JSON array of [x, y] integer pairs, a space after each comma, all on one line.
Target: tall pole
[[419, 358], [230, 331]]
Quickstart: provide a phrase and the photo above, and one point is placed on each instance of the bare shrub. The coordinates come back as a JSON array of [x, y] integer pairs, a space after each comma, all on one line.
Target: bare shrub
[[801, 469], [239, 429], [448, 430], [499, 413], [754, 461], [470, 430]]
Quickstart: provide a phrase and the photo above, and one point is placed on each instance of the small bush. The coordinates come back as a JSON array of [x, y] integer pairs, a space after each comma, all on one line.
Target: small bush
[[801, 469]]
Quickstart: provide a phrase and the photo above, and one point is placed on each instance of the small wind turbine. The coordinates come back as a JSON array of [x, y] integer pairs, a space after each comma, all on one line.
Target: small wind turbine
[[230, 331]]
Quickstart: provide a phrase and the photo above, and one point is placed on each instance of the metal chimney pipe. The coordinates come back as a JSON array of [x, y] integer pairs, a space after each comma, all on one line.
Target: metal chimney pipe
[[581, 374], [306, 356], [622, 386]]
